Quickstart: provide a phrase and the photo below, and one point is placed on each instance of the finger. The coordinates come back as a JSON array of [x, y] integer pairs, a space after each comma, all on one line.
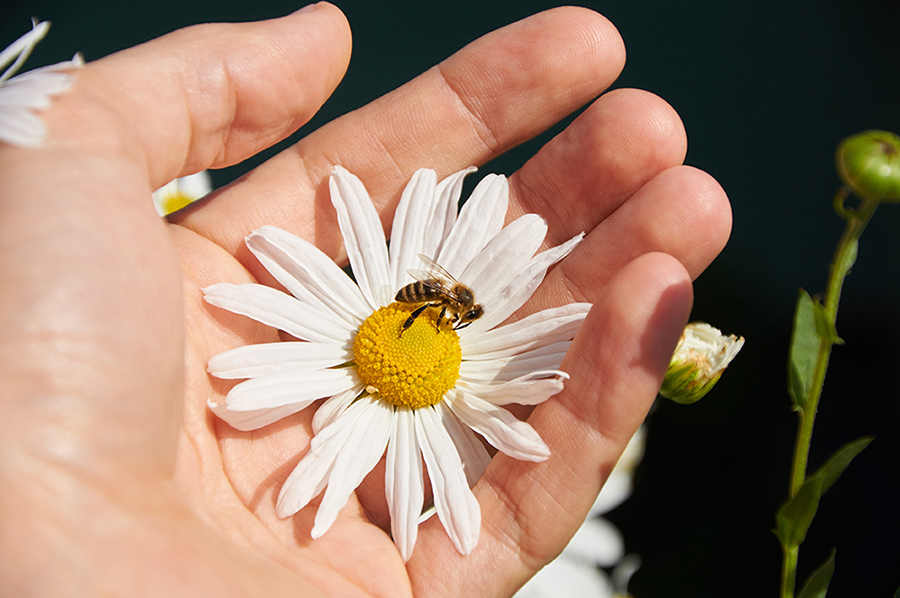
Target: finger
[[530, 511], [585, 173], [682, 212], [206, 96], [490, 96]]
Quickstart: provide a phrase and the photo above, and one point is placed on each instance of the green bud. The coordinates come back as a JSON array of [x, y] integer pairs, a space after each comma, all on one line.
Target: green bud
[[701, 356], [869, 164]]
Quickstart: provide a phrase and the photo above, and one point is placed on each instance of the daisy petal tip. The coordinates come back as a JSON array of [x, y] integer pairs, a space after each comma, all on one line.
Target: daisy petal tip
[[264, 232], [284, 506], [538, 452], [210, 290], [468, 544], [405, 546], [339, 172]]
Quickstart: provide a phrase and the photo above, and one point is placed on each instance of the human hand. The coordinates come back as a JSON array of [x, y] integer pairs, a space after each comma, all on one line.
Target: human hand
[[119, 479]]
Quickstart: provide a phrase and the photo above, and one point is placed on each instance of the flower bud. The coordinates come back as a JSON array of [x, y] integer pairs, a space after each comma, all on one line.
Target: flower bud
[[701, 356], [869, 164]]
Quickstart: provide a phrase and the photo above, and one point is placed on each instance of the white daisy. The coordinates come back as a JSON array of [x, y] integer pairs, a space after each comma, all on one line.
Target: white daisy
[[20, 96], [180, 192], [415, 391]]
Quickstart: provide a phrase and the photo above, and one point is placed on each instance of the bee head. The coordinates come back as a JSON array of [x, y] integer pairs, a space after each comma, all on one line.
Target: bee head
[[470, 316]]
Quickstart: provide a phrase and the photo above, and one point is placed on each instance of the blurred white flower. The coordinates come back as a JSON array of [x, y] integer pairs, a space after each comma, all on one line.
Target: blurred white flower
[[701, 356], [577, 573], [22, 95], [178, 193]]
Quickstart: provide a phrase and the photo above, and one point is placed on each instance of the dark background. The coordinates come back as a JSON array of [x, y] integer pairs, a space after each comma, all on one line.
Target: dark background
[[766, 91]]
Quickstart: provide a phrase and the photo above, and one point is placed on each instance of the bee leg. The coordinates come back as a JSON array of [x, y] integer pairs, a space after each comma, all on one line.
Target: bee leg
[[437, 324], [412, 318]]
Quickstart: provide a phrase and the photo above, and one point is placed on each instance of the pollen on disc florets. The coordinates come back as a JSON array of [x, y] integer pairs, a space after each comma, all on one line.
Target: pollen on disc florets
[[413, 369]]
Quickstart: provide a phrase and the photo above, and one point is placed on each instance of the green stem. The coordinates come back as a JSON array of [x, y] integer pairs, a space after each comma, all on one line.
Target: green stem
[[789, 571], [844, 256]]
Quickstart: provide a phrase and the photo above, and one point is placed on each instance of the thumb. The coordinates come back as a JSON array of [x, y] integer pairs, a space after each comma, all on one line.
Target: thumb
[[206, 96]]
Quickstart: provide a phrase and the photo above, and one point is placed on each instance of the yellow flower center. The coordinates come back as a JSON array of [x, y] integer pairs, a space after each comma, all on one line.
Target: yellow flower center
[[414, 367], [175, 201]]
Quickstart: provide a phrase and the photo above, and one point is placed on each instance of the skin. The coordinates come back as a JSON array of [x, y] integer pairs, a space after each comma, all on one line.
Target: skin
[[117, 480]]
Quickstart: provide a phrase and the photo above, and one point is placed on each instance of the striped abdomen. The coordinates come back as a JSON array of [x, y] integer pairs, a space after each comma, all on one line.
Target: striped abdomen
[[421, 291]]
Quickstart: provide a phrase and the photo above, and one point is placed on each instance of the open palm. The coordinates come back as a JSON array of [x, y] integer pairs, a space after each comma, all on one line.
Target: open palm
[[118, 479]]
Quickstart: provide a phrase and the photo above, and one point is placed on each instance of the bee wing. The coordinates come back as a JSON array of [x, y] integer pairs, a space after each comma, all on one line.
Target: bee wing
[[435, 270], [435, 283]]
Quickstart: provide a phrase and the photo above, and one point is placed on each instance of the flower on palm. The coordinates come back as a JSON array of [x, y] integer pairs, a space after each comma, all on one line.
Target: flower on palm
[[409, 384]]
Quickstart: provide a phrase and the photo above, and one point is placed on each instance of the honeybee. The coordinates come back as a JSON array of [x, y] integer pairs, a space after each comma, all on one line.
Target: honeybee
[[437, 287]]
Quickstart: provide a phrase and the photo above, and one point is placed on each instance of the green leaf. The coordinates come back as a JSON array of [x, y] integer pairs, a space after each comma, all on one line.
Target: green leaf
[[804, 350], [817, 584], [796, 514], [838, 462]]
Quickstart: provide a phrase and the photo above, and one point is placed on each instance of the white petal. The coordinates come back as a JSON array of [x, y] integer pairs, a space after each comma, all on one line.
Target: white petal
[[195, 185], [333, 407], [20, 127], [35, 88], [597, 542], [251, 361], [20, 95], [359, 455], [620, 483], [480, 219], [623, 573], [516, 294], [308, 274], [472, 453], [404, 482], [289, 388], [505, 258], [537, 330], [456, 506], [501, 428], [363, 237], [634, 452], [564, 578], [22, 47], [279, 310], [310, 476], [505, 369], [411, 220], [170, 188], [447, 196], [615, 491], [530, 389], [256, 418]]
